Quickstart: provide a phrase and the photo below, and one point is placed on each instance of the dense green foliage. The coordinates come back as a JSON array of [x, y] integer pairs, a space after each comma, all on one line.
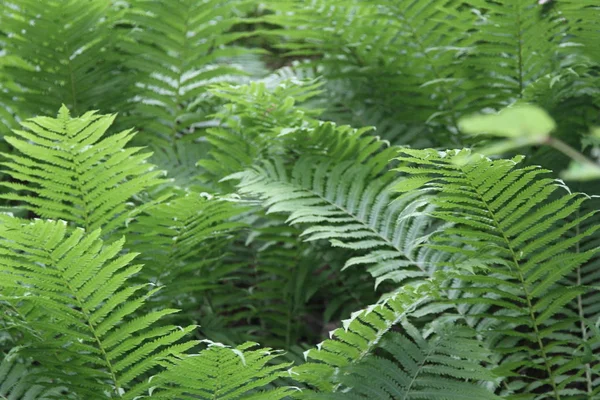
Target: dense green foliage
[[324, 199]]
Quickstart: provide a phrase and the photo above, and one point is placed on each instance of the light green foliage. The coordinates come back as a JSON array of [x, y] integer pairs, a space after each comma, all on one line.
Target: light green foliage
[[221, 373], [74, 295], [76, 174]]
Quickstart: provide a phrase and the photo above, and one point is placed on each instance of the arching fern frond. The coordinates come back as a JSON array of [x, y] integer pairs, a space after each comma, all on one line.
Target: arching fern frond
[[76, 292], [68, 170], [349, 204], [360, 336], [447, 364], [223, 373], [508, 222]]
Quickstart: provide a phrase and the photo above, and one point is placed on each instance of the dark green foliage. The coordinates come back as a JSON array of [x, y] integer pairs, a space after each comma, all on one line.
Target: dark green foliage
[[299, 199]]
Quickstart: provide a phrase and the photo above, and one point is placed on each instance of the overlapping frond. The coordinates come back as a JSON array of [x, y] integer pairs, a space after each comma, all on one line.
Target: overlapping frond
[[64, 168], [582, 18], [182, 240], [61, 52], [509, 224], [359, 337], [349, 203], [181, 47], [448, 364], [402, 57], [18, 381], [76, 292], [255, 123], [224, 373]]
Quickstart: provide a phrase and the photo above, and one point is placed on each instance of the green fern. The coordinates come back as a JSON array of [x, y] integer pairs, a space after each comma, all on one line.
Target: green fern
[[582, 17], [444, 363], [183, 242], [263, 129], [87, 339], [359, 336], [398, 55], [179, 48], [222, 373], [68, 170], [508, 222], [61, 52], [447, 364], [18, 380], [345, 198]]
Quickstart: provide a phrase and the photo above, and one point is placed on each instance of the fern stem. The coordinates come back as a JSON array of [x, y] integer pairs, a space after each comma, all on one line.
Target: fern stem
[[80, 305], [414, 377], [584, 333]]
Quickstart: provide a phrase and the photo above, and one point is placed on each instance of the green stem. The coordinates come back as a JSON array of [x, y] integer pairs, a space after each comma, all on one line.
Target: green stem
[[569, 151]]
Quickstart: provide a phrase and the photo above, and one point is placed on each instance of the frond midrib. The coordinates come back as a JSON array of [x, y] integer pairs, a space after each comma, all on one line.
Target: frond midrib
[[364, 224], [522, 283], [87, 316]]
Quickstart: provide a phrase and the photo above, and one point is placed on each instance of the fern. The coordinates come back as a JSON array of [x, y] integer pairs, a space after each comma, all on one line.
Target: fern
[[238, 143], [18, 381], [437, 365], [67, 170], [183, 242], [507, 224], [409, 47], [349, 204], [360, 335], [224, 373], [87, 338], [445, 365], [582, 17], [59, 52], [179, 48]]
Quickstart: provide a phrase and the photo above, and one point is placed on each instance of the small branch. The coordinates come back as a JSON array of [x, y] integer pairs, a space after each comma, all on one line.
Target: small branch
[[569, 151]]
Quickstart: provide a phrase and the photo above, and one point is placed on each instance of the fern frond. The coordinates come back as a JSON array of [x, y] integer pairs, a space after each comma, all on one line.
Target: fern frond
[[447, 364], [75, 291], [66, 52], [397, 55], [181, 240], [359, 337], [67, 170], [18, 380], [223, 373], [255, 123], [181, 47], [582, 18], [508, 222], [345, 198]]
